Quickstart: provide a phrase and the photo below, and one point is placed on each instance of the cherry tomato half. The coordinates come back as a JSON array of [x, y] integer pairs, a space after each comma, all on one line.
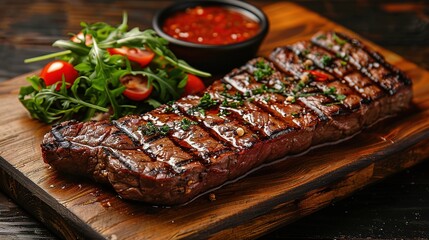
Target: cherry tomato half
[[54, 71], [143, 57], [319, 76], [136, 87], [194, 85]]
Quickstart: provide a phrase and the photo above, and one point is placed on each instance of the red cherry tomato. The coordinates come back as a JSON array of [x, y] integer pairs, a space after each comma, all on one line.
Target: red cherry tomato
[[136, 87], [79, 37], [54, 71], [194, 85], [319, 76], [143, 57]]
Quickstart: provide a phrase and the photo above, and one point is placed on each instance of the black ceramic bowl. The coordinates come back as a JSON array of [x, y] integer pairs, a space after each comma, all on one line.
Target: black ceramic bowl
[[216, 59]]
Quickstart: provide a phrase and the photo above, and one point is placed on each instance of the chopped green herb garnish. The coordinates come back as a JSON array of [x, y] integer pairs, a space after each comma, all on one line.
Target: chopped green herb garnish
[[333, 103], [305, 52], [202, 112], [207, 102], [193, 110], [164, 129], [263, 70], [332, 91], [343, 57], [185, 124], [305, 94], [279, 87], [299, 86], [262, 89], [295, 115], [237, 96], [169, 107], [223, 112], [232, 104], [326, 60], [149, 129], [321, 36], [340, 97], [267, 99], [338, 40]]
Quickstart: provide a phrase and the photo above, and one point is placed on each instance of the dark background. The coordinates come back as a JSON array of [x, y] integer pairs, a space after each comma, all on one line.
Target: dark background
[[397, 207]]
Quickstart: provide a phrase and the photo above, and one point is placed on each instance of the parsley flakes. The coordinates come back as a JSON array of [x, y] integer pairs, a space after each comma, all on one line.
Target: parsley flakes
[[185, 124], [326, 60], [263, 70]]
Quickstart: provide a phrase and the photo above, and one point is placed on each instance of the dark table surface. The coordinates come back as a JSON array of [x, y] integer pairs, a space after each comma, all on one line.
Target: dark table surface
[[397, 207]]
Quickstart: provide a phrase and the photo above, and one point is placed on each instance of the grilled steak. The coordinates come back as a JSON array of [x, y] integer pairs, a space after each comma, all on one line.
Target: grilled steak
[[307, 93]]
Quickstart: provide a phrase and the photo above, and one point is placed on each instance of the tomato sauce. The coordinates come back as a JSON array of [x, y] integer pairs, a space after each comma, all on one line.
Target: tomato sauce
[[211, 25]]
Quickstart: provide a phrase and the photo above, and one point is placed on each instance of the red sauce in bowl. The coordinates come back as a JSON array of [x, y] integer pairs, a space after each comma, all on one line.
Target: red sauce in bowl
[[211, 25]]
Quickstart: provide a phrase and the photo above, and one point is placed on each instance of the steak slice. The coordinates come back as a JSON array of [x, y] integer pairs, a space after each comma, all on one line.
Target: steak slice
[[305, 94]]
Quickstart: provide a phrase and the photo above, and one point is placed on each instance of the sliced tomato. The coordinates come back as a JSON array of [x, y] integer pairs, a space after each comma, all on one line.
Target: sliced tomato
[[194, 85], [136, 87], [319, 76], [143, 57], [79, 37], [54, 72]]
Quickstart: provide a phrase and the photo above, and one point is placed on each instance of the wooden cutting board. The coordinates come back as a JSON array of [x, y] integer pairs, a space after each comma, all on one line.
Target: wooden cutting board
[[273, 195]]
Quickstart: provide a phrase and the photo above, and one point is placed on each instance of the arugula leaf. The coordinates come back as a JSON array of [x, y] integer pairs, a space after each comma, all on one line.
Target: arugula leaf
[[49, 105]]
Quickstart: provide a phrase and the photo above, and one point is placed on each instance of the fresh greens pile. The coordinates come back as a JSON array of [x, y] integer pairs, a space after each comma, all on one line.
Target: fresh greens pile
[[98, 88]]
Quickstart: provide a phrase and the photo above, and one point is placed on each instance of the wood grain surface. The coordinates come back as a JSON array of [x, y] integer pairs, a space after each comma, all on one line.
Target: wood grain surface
[[275, 194]]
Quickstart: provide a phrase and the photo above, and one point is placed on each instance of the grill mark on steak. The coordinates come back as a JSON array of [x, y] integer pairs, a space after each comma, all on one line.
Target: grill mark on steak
[[280, 114], [245, 83], [295, 114], [59, 137], [185, 150], [155, 144], [127, 132], [191, 138], [325, 107], [134, 126], [160, 122], [184, 107], [223, 128], [234, 105], [216, 152], [328, 64], [124, 126], [322, 105], [278, 85], [368, 89], [316, 102], [287, 61], [368, 62], [350, 74], [129, 164], [364, 86], [402, 76], [322, 58]]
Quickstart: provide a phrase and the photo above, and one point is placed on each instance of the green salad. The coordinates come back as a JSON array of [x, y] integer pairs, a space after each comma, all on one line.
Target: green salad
[[110, 71]]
